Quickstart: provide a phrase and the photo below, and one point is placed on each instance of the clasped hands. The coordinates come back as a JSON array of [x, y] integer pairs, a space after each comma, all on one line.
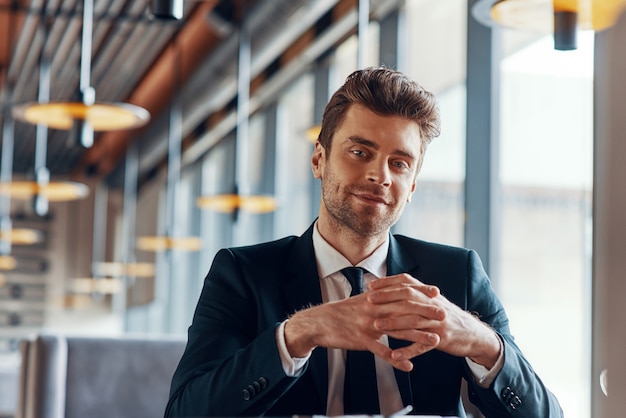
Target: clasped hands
[[401, 307]]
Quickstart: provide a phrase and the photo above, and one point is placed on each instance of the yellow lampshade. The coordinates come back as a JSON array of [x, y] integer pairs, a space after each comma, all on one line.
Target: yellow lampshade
[[161, 243], [53, 191], [101, 116], [538, 15], [7, 262], [21, 236], [111, 269], [76, 301], [227, 203], [313, 133], [91, 285]]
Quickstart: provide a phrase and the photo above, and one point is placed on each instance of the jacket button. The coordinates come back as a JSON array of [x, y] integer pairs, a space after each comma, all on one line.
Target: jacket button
[[263, 382], [246, 394], [257, 386]]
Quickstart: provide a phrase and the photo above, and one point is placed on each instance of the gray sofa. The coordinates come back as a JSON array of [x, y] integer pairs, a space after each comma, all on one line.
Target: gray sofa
[[96, 377]]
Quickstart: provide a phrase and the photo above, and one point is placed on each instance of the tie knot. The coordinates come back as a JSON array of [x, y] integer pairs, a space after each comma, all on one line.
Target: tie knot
[[355, 277]]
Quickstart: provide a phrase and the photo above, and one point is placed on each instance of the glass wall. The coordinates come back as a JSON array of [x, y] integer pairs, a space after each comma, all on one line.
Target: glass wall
[[546, 176]]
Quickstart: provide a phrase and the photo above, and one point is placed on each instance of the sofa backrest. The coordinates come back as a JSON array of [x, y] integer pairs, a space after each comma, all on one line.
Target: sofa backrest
[[96, 377]]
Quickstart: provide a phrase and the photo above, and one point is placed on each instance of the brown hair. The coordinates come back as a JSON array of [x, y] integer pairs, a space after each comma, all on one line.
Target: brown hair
[[386, 92]]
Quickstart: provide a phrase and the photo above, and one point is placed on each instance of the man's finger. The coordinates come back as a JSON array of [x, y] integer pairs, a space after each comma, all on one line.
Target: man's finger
[[406, 323], [410, 351], [404, 279]]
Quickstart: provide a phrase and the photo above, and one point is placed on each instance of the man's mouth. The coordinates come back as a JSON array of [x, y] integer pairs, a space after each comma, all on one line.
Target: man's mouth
[[371, 198]]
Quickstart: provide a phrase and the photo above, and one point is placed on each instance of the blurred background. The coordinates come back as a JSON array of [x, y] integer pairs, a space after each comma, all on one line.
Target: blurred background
[[222, 99]]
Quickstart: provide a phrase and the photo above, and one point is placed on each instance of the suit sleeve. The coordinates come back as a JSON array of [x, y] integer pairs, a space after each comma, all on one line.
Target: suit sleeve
[[230, 367], [516, 391]]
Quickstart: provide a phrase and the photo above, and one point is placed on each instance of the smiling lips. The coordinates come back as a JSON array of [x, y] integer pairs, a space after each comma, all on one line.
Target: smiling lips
[[371, 198]]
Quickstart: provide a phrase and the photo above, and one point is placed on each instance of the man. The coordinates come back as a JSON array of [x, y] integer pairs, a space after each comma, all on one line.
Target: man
[[276, 333]]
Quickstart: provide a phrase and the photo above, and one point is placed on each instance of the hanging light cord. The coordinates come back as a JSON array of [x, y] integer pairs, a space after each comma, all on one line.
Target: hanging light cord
[[174, 142]]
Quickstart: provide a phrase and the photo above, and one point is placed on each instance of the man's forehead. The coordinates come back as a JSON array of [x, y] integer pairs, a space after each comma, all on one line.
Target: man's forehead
[[367, 125]]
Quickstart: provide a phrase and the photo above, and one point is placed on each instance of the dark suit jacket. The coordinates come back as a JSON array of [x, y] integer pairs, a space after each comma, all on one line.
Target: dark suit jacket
[[231, 365]]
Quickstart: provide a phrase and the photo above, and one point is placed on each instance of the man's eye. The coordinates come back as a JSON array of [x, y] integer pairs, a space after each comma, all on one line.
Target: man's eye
[[400, 164], [358, 152]]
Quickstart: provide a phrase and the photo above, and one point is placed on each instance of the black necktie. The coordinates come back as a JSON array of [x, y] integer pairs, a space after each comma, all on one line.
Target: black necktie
[[360, 392]]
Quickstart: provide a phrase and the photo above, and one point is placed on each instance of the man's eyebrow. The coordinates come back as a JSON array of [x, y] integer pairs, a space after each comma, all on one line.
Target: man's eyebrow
[[366, 142], [363, 141]]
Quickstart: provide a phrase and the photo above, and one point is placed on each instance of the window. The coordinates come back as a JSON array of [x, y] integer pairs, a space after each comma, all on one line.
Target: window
[[546, 174]]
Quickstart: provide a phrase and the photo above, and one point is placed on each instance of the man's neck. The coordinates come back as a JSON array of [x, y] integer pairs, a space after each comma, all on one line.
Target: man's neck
[[353, 246]]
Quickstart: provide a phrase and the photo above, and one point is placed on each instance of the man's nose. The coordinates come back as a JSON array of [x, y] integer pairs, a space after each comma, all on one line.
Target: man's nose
[[378, 172]]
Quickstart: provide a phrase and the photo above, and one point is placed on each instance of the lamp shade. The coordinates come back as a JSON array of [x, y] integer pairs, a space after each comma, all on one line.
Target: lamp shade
[[313, 133], [53, 191], [112, 269], [162, 243], [21, 236], [91, 285], [228, 203], [7, 262], [100, 116], [560, 17]]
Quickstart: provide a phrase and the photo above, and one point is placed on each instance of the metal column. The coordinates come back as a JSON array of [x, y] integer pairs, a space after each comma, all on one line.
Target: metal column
[[482, 185]]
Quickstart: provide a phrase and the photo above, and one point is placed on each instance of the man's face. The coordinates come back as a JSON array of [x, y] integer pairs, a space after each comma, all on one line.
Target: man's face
[[369, 174]]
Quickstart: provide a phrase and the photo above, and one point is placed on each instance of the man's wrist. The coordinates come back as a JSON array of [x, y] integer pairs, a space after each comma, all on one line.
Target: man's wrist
[[483, 376], [298, 338], [292, 366], [489, 351]]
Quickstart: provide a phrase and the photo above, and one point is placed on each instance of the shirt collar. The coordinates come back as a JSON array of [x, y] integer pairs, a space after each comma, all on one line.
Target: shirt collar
[[330, 261]]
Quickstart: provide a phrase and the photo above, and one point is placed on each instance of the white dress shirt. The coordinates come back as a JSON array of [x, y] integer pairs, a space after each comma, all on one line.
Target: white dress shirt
[[335, 286]]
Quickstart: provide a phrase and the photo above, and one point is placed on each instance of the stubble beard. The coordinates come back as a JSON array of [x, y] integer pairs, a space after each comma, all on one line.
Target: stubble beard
[[363, 221]]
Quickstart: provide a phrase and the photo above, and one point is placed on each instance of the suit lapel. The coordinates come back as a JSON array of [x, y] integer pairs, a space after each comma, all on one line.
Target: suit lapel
[[302, 287], [400, 262]]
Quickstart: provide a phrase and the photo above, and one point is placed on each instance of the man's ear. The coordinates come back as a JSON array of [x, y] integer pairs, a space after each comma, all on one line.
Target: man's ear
[[408, 199], [317, 160]]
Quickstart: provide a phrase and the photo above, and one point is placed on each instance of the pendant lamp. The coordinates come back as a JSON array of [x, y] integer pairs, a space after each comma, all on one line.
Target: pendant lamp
[[42, 190], [563, 18], [172, 240], [241, 199], [86, 116]]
